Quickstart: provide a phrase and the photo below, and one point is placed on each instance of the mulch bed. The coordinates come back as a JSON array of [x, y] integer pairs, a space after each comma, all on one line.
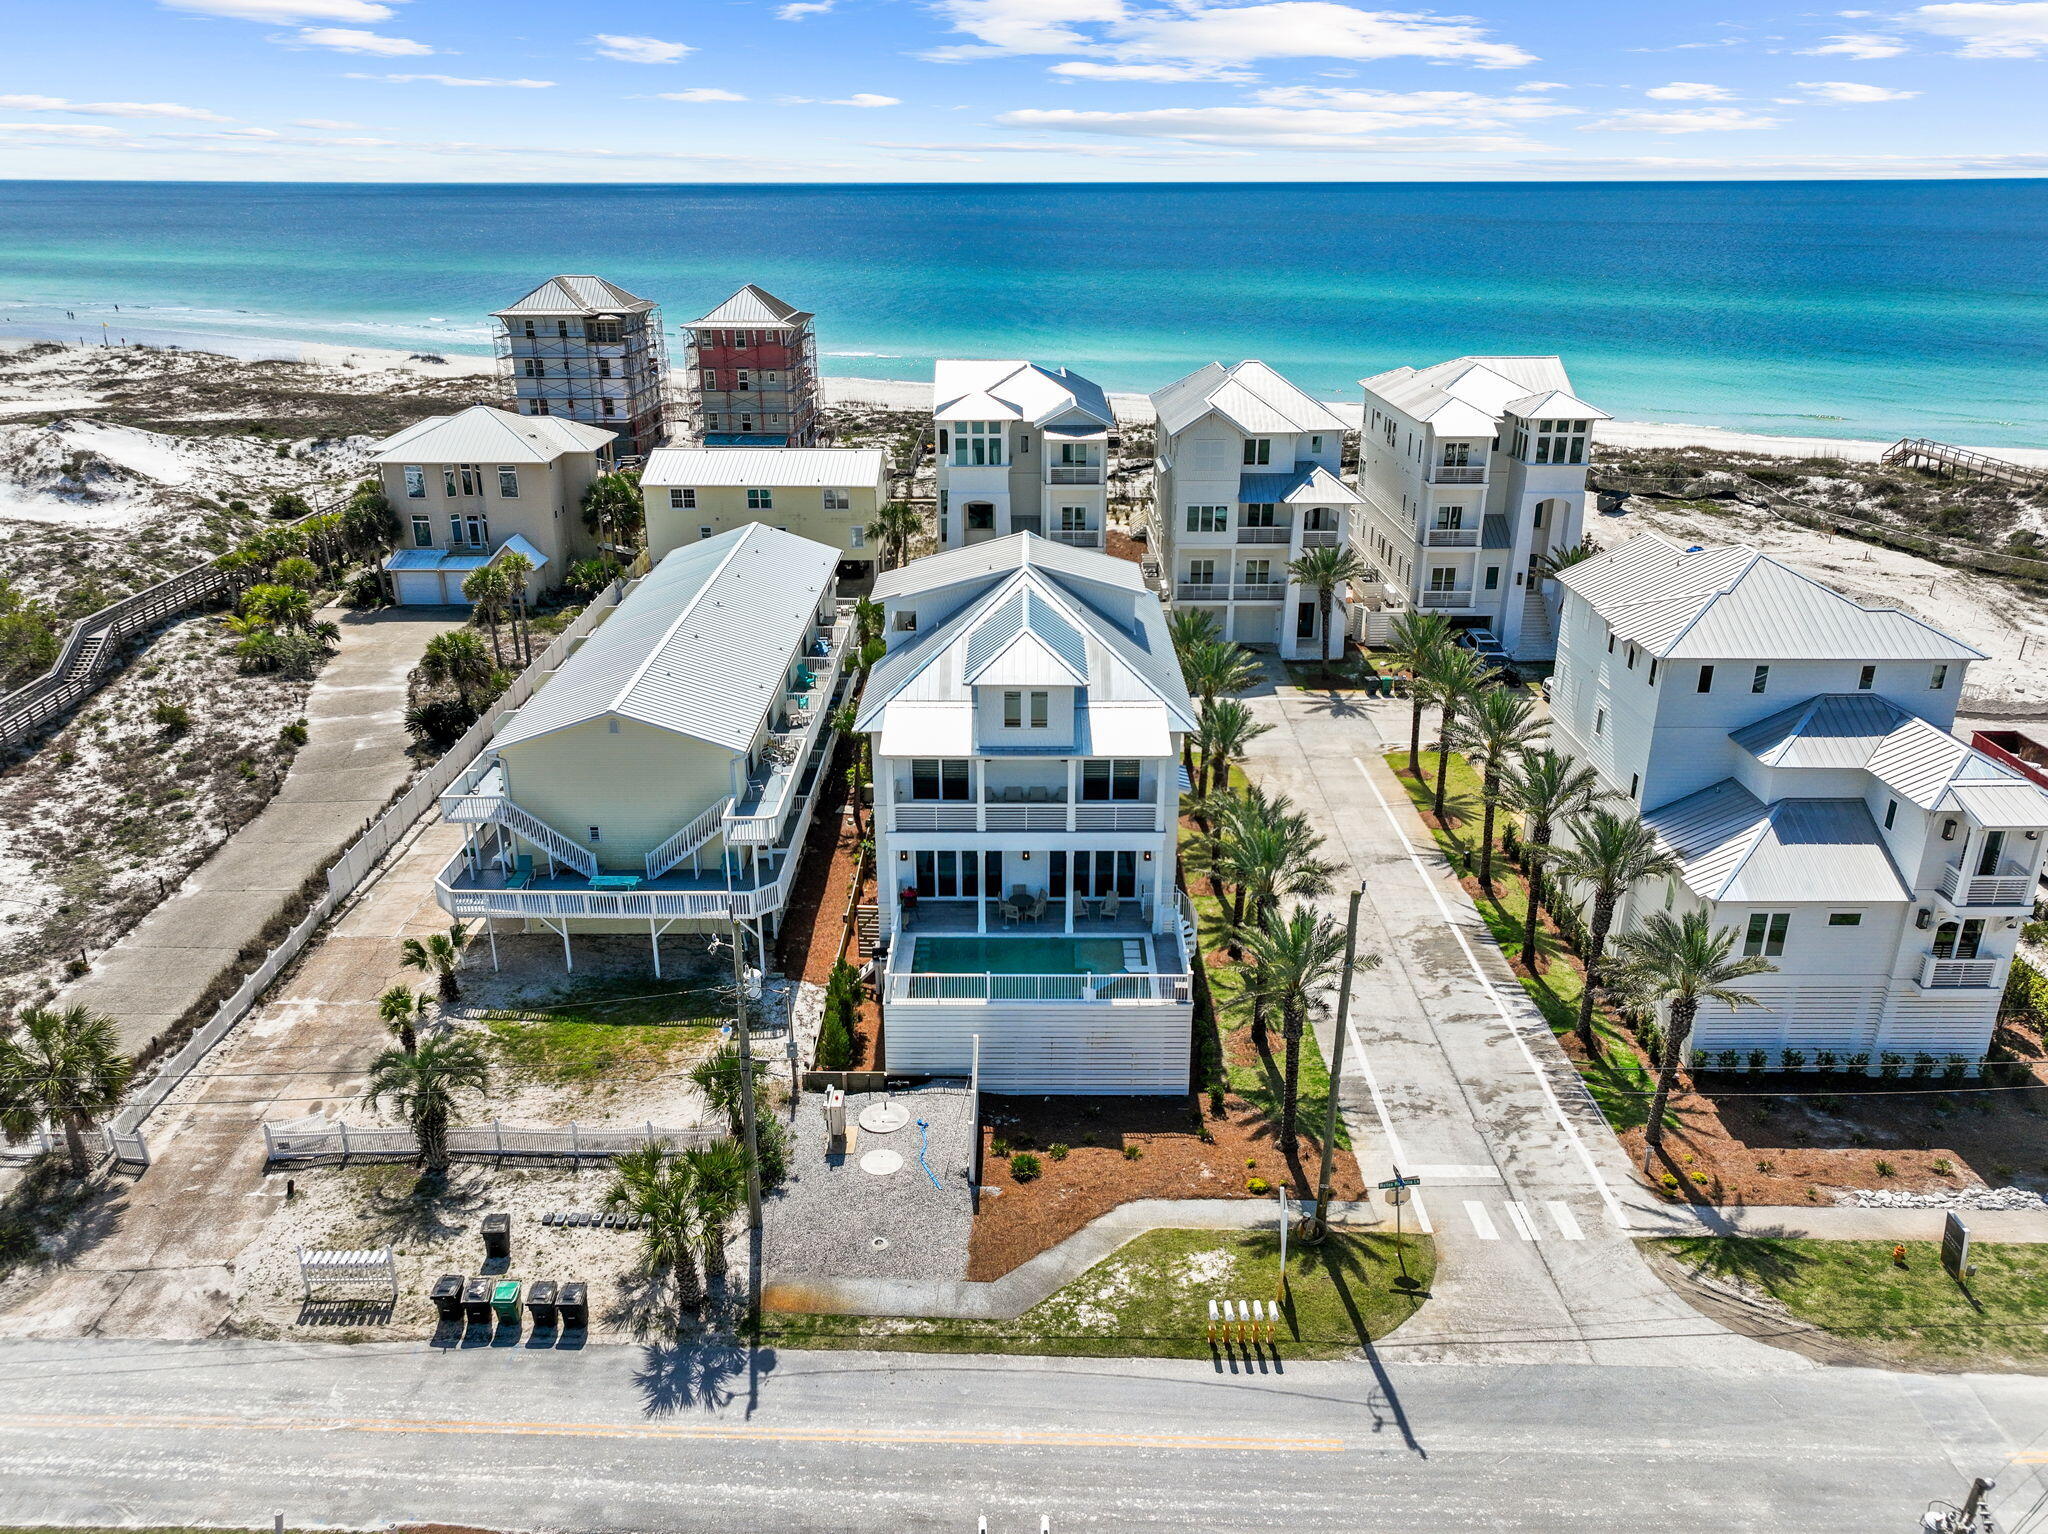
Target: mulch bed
[[1123, 546]]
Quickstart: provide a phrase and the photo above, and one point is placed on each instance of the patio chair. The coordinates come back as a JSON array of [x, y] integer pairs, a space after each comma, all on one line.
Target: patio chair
[[1011, 794], [1035, 910], [1011, 915], [1035, 794], [1111, 903], [522, 872]]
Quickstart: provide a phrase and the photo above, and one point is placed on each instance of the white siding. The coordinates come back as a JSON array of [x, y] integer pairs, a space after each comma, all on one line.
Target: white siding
[[1084, 1049]]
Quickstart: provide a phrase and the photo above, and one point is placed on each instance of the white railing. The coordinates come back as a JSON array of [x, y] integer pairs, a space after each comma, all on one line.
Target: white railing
[[935, 817], [1937, 974], [761, 826], [320, 1141], [1258, 591], [1087, 816], [1456, 474], [1115, 817], [1170, 990], [1461, 597], [1077, 537], [687, 840], [1320, 538], [1025, 817], [2009, 886], [1264, 534], [1201, 591], [1452, 537], [545, 836], [1073, 474]]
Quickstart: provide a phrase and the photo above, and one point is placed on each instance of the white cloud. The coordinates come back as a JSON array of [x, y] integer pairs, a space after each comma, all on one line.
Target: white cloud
[[109, 108], [700, 93], [1393, 109], [1700, 120], [1989, 29], [353, 40], [1061, 148], [639, 50], [1855, 15], [297, 11], [1156, 74], [1689, 90], [1542, 85], [866, 99], [1860, 45], [459, 80], [803, 8], [1852, 91], [322, 122], [88, 131], [1270, 127], [1022, 26]]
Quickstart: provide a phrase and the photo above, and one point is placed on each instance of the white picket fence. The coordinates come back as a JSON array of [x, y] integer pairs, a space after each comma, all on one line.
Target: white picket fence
[[322, 1140]]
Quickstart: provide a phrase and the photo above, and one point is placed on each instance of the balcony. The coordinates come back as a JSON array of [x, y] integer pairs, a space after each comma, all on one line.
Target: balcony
[[1264, 534], [1258, 591], [1457, 474], [1320, 538], [2010, 886], [1939, 974], [1453, 600], [1201, 591], [1077, 537], [1073, 474], [1052, 813], [1452, 537]]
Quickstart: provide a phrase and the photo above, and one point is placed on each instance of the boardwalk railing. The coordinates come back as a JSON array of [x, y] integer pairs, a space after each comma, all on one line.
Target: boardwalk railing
[[322, 1141], [1943, 458]]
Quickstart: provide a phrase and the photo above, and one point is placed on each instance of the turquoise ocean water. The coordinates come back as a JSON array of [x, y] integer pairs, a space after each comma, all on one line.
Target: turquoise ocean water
[[1852, 309]]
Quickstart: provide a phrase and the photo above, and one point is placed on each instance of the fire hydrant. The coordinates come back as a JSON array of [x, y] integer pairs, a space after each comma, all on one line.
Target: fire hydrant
[[1899, 1255]]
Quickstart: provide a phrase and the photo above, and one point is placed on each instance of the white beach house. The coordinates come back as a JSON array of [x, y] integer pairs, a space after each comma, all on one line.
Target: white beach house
[[1472, 471], [1026, 726], [1791, 749], [1021, 449], [1248, 478], [662, 778], [471, 487]]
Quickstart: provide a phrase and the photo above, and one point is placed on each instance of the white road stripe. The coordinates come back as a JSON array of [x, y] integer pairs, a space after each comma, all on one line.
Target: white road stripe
[[1567, 1224], [1520, 1220], [1482, 1222]]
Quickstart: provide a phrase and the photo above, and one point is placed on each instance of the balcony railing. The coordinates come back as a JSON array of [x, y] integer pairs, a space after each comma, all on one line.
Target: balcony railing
[[2009, 886], [1073, 474], [1258, 591], [1264, 534], [1937, 974], [1201, 591], [1320, 537], [1462, 597], [1172, 990], [1457, 474], [1452, 537], [1077, 537], [1090, 815]]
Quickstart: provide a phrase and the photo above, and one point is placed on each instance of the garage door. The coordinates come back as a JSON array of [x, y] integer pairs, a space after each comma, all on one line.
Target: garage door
[[1256, 625], [419, 588]]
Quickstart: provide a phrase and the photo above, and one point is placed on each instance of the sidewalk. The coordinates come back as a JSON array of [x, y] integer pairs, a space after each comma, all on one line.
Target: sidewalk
[[353, 761]]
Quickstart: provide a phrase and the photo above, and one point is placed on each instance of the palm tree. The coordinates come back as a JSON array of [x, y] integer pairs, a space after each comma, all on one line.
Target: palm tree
[[439, 956], [660, 1188], [1191, 626], [1227, 727], [1551, 562], [285, 607], [611, 508], [717, 1076], [424, 1085], [1681, 963], [488, 601], [1418, 638], [65, 1068], [1609, 855], [1325, 570], [587, 577], [894, 527], [1211, 668], [1546, 788], [457, 657], [719, 1182], [1294, 959], [401, 1007], [1497, 727], [1452, 678], [518, 570]]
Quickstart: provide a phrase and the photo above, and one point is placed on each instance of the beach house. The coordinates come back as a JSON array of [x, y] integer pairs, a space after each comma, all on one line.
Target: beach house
[[829, 495], [471, 487], [1791, 749], [584, 348], [1026, 723], [1248, 478], [1472, 472], [663, 777], [752, 366], [1021, 449]]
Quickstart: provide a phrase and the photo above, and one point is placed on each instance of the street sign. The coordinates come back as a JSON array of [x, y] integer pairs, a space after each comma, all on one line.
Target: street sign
[[1402, 1182], [1955, 1247]]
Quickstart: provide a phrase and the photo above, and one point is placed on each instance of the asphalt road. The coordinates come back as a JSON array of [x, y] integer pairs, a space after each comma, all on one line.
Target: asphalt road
[[707, 1438]]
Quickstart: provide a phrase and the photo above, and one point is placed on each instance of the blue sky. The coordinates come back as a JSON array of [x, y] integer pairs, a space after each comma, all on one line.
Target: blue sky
[[1017, 90]]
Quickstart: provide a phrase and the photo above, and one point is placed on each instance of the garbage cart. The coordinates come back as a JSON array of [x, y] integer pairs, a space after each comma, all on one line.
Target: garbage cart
[[540, 1301], [573, 1302], [505, 1301], [498, 1235], [476, 1302], [447, 1296]]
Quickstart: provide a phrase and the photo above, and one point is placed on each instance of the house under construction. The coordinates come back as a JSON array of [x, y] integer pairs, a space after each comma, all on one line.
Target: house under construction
[[587, 349], [753, 371]]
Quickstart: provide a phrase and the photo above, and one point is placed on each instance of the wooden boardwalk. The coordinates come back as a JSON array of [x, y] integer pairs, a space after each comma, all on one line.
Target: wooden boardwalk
[[1941, 458]]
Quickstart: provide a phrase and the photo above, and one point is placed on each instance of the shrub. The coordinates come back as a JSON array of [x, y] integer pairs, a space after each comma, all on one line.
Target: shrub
[[297, 571], [172, 718], [1791, 1059], [439, 722], [1888, 1066], [1205, 1134], [1825, 1061], [1767, 1166], [365, 589], [1727, 1059], [1256, 1185], [838, 1032], [1024, 1166], [1000, 1148], [1057, 1151], [1758, 1059], [286, 505], [1923, 1066], [771, 1139], [1669, 1181], [1859, 1063], [293, 734], [1884, 1168], [1953, 1069], [1216, 1102], [1943, 1166], [1133, 1152]]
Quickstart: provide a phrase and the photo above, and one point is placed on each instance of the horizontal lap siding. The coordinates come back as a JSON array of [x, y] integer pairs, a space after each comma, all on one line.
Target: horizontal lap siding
[[1087, 1048], [1872, 1017]]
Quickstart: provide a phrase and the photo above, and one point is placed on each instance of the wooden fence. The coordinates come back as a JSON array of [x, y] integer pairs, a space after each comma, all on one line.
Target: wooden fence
[[343, 1142]]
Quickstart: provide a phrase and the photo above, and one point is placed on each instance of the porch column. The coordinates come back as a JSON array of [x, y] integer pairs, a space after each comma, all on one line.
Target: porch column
[[1073, 789], [654, 942], [980, 794], [1067, 904], [568, 958], [491, 931], [981, 889]]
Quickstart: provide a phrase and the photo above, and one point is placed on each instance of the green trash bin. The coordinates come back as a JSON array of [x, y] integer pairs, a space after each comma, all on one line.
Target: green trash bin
[[505, 1300]]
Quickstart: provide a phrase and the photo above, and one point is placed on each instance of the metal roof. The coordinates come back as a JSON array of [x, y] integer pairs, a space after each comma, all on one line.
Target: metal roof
[[1549, 404], [1467, 396], [1737, 603], [777, 467], [1999, 804], [584, 295], [1494, 533], [1828, 730], [755, 308], [1732, 846], [701, 646], [1016, 391], [486, 434], [436, 559], [1026, 641], [996, 556], [1250, 395], [1306, 484]]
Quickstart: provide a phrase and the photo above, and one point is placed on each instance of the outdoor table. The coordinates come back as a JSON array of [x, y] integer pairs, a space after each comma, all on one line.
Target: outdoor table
[[615, 881]]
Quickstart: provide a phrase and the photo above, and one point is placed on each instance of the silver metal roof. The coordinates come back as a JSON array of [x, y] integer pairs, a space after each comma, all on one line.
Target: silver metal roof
[[1467, 396], [975, 390], [486, 434], [1306, 484], [701, 646], [998, 556], [1829, 730], [772, 467], [1999, 804], [755, 308], [1732, 846], [1250, 395], [579, 295]]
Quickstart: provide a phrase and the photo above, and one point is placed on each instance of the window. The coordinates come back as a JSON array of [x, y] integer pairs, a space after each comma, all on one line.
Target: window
[[603, 332], [951, 875], [1635, 785], [1610, 641], [1760, 679], [1260, 514], [527, 326], [1599, 721], [1706, 682], [1954, 940], [1017, 706], [1845, 918], [906, 621], [596, 835], [931, 778], [703, 532], [1443, 578], [1315, 444], [455, 538], [1537, 519], [1094, 874], [1208, 519], [479, 531], [1110, 778], [856, 536], [1866, 679], [422, 533], [1457, 455], [1561, 441], [1891, 813], [467, 475], [838, 500], [1075, 454], [448, 479], [682, 498], [604, 367], [711, 378], [1766, 936], [977, 443], [1493, 577], [1201, 572], [1450, 516], [1629, 662], [540, 407], [1938, 680], [1073, 519], [744, 381], [760, 500], [533, 367], [1652, 681], [1258, 450], [508, 482], [415, 482], [1257, 572], [610, 406], [981, 516]]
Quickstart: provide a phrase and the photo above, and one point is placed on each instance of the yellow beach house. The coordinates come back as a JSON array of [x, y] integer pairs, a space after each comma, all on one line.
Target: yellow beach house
[[827, 494]]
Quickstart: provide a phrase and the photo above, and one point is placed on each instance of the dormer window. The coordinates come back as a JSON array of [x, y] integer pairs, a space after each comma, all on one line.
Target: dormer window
[[1022, 706]]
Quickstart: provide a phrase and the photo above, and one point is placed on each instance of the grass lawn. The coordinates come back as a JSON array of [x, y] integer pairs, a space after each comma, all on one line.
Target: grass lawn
[[1914, 1314], [1150, 1299], [591, 1029], [1619, 1081]]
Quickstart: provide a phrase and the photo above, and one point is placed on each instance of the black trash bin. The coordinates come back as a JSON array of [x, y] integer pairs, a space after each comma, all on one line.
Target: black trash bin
[[498, 1236], [573, 1301], [476, 1302], [540, 1302], [447, 1296]]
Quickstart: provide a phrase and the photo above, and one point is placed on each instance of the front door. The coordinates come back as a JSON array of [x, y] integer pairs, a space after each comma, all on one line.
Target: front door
[[1305, 621], [1993, 850]]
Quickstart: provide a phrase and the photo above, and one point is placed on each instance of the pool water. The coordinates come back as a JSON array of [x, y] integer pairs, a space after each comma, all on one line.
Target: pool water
[[1017, 956]]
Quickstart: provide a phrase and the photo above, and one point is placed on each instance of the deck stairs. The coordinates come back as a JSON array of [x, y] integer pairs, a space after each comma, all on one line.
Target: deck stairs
[[687, 840], [87, 660], [486, 804]]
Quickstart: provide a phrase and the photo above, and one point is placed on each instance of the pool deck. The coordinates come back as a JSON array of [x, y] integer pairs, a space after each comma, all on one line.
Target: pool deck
[[957, 918]]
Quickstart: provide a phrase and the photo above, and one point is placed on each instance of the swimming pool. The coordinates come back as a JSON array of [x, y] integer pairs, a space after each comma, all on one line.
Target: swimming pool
[[1019, 956]]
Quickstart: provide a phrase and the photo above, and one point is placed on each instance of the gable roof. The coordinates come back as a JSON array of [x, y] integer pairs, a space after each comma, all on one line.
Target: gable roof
[[1014, 391], [1467, 396], [1250, 395], [1026, 639], [700, 647], [753, 306], [1306, 484], [980, 561], [1737, 603], [584, 295], [1732, 846], [1547, 404], [486, 434], [792, 467]]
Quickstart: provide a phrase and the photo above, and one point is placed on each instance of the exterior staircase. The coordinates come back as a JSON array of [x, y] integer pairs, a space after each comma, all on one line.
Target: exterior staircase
[[1539, 637], [687, 840]]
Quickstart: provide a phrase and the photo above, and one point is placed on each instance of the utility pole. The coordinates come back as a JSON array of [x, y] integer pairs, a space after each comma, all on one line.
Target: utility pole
[[1319, 1223], [743, 1042]]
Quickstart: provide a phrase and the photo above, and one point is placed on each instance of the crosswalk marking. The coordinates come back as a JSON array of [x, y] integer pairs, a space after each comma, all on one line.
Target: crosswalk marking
[[1520, 1220], [1482, 1222], [1567, 1225]]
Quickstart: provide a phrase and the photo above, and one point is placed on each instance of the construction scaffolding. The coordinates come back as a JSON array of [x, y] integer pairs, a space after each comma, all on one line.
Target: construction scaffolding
[[751, 370], [587, 349]]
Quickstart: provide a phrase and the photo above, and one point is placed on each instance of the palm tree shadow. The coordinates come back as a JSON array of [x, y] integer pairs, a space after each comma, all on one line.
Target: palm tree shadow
[[699, 1371], [429, 1208], [1760, 1259]]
